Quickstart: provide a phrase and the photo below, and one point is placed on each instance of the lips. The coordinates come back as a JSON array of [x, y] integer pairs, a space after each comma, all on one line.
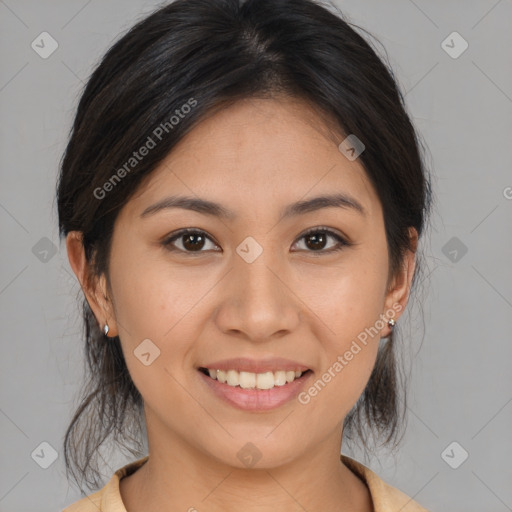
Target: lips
[[254, 400], [243, 364]]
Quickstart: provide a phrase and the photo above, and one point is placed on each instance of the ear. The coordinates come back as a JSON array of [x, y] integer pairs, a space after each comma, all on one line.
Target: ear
[[94, 288], [399, 290]]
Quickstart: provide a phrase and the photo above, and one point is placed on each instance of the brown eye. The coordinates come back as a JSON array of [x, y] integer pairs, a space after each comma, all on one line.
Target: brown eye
[[317, 239], [191, 240], [194, 241]]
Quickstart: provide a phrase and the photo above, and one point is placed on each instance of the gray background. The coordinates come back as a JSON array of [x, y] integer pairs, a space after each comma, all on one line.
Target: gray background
[[461, 382]]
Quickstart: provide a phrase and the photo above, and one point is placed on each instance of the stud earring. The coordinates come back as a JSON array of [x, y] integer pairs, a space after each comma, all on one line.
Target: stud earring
[[391, 323], [105, 329]]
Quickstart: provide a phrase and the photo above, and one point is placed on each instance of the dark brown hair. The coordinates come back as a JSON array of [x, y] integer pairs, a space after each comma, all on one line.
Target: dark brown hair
[[217, 52]]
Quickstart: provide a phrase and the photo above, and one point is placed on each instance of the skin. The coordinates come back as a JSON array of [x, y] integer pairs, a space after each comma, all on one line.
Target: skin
[[306, 304]]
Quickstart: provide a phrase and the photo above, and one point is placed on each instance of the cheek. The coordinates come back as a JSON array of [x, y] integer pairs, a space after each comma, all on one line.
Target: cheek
[[156, 324], [358, 301], [349, 303], [348, 299], [158, 303], [152, 297]]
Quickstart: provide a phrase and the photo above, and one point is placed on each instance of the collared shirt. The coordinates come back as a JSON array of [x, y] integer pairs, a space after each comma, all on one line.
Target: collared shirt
[[385, 498]]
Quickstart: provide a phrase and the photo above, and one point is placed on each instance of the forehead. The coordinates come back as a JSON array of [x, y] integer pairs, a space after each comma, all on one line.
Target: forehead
[[259, 153]]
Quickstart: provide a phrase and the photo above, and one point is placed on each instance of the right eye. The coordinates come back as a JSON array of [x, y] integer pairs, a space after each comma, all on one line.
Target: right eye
[[191, 240]]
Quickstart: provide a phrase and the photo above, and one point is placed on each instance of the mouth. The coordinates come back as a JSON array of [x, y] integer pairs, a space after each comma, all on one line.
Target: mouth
[[254, 392], [254, 385], [255, 381]]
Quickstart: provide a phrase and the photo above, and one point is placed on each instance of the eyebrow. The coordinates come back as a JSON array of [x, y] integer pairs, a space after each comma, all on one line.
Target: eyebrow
[[205, 207]]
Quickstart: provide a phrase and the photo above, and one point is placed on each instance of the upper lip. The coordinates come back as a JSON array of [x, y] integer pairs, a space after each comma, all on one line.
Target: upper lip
[[244, 364]]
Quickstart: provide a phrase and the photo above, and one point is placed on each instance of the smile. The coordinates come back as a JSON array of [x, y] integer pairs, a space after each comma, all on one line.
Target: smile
[[249, 380], [264, 391]]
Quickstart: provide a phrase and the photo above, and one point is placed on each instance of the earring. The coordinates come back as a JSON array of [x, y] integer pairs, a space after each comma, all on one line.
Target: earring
[[391, 323], [105, 329]]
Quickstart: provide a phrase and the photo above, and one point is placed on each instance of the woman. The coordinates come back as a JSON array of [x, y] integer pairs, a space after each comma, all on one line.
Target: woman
[[242, 198]]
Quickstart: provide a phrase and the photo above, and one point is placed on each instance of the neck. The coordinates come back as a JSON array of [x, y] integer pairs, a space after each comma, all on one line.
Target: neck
[[178, 477]]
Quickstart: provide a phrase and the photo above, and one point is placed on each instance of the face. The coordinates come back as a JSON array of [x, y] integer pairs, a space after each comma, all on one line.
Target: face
[[306, 285]]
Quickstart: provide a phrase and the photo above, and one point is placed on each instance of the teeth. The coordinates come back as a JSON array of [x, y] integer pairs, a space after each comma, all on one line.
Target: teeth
[[233, 378], [248, 380], [280, 378]]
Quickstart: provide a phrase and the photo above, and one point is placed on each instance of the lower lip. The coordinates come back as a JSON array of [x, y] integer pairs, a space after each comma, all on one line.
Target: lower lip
[[256, 399]]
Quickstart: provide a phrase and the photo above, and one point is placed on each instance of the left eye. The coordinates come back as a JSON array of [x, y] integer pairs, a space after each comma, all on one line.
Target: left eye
[[193, 240], [317, 237]]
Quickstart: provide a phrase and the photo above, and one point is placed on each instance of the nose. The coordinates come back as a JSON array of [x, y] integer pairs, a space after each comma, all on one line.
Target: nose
[[258, 303]]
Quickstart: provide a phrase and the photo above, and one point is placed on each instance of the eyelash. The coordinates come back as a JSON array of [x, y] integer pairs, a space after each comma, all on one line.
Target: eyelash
[[342, 242]]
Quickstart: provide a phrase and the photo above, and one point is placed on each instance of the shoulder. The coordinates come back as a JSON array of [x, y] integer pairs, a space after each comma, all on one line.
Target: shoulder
[[385, 497], [87, 504], [107, 499]]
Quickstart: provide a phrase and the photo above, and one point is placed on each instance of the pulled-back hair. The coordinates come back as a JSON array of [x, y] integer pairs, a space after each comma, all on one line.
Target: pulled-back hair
[[217, 52]]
